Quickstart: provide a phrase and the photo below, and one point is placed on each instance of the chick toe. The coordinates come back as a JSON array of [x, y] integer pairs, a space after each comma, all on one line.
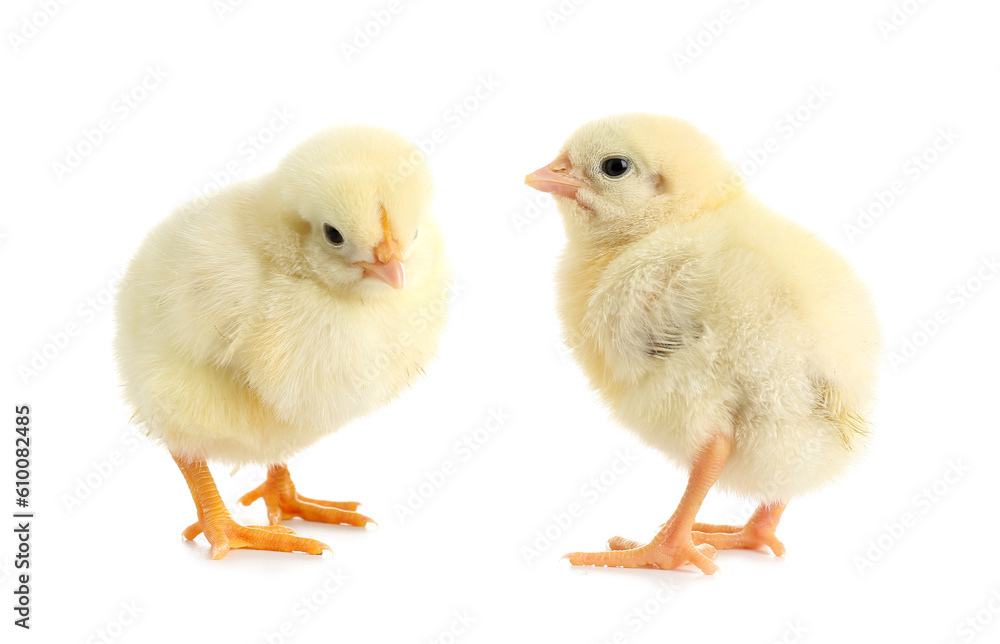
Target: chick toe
[[284, 502], [269, 537], [621, 543], [221, 531], [673, 545], [664, 551], [759, 532]]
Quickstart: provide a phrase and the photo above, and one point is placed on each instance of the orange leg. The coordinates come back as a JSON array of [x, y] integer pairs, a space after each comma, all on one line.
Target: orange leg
[[283, 502], [673, 545], [222, 532], [757, 533]]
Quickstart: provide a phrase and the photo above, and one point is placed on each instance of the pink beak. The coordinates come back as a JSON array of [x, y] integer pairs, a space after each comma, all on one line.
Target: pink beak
[[391, 272], [387, 266], [555, 178]]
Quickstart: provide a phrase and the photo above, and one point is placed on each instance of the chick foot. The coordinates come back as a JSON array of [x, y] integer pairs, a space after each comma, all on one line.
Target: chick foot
[[674, 544], [283, 502], [222, 532], [228, 535], [669, 549], [757, 533]]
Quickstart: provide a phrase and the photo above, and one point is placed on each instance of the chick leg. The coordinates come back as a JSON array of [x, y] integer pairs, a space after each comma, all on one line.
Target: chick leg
[[283, 502], [222, 532], [673, 545], [757, 533]]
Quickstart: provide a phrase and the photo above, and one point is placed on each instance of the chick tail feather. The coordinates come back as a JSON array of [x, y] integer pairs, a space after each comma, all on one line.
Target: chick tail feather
[[852, 426]]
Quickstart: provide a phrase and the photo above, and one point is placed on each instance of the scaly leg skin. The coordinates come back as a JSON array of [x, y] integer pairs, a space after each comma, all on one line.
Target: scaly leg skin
[[673, 545], [757, 533], [222, 532], [283, 502]]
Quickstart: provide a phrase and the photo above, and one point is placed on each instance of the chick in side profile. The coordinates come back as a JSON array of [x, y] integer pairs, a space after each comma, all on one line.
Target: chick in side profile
[[255, 321], [729, 338]]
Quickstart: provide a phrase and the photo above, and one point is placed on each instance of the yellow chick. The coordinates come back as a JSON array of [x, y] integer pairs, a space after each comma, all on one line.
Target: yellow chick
[[255, 321], [729, 338]]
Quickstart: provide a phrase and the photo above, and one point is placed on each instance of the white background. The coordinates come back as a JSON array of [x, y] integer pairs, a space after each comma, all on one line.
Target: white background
[[110, 507]]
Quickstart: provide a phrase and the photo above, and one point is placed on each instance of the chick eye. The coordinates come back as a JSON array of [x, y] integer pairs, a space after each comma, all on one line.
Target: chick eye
[[615, 166], [333, 235]]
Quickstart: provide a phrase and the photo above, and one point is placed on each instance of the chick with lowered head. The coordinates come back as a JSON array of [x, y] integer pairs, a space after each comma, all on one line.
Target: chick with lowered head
[[255, 321], [727, 337]]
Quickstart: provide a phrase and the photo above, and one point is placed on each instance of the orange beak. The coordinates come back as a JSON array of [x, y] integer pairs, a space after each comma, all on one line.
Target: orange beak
[[388, 265], [555, 178]]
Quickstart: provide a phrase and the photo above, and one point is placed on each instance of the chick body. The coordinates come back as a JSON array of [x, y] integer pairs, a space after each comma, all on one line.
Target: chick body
[[761, 322], [694, 310], [236, 342]]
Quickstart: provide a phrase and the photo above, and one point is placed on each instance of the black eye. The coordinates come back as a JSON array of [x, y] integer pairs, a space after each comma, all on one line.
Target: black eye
[[333, 235], [615, 166]]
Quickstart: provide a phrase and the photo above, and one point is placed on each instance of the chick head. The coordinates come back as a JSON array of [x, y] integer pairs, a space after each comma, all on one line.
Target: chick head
[[620, 177], [352, 199]]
